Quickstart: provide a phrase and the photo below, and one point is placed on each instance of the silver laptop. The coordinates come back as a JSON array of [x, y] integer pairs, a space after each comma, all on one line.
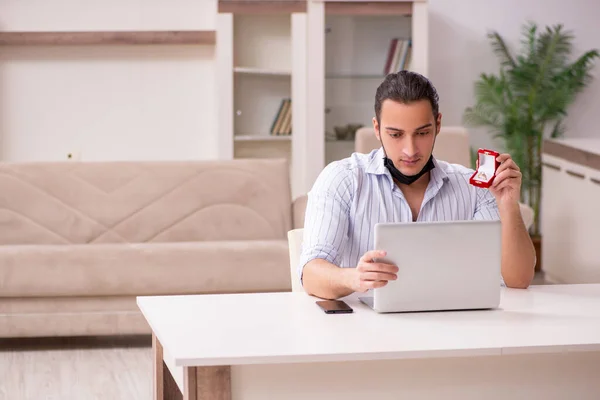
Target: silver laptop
[[452, 265]]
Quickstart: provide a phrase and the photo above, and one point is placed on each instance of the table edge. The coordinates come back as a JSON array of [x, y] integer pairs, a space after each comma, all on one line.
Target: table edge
[[398, 355]]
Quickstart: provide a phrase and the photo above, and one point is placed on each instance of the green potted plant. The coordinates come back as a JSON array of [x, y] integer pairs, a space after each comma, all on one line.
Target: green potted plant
[[527, 100]]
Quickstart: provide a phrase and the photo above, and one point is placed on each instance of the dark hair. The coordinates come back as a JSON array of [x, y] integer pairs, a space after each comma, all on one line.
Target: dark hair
[[406, 87]]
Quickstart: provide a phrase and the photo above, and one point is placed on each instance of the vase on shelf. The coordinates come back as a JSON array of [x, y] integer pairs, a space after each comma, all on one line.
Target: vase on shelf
[[345, 132]]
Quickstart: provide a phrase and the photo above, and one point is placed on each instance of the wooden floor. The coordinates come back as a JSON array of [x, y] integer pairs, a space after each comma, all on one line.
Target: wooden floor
[[82, 368], [78, 369]]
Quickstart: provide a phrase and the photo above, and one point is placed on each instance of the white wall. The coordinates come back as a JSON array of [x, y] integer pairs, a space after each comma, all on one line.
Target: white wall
[[159, 102], [459, 51], [107, 102]]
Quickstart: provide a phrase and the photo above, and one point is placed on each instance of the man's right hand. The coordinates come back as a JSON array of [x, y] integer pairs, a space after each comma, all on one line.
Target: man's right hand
[[369, 274]]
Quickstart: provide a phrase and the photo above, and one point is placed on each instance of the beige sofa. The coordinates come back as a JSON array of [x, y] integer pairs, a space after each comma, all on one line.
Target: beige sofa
[[78, 241]]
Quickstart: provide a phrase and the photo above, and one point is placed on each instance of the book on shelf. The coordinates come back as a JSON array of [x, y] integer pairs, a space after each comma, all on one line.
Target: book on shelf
[[282, 123], [398, 55]]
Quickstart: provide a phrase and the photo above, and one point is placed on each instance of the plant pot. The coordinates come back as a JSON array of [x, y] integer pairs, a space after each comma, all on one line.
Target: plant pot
[[537, 244]]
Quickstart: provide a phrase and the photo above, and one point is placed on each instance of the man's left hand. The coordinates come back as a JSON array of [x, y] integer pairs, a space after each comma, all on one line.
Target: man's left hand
[[506, 187]]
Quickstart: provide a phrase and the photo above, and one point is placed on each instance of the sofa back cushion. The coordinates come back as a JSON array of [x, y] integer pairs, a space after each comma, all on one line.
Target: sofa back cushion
[[137, 202]]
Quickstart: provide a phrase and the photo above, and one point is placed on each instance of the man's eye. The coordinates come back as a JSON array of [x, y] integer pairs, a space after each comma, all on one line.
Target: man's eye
[[395, 135], [423, 133]]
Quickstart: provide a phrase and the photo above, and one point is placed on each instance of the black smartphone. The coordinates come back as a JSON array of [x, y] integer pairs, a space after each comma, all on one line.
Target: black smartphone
[[334, 307]]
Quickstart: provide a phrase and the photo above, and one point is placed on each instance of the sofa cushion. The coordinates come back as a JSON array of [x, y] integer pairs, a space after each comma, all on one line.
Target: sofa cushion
[[144, 268], [137, 202]]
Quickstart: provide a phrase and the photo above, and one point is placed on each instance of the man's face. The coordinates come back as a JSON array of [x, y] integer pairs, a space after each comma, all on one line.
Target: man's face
[[407, 132]]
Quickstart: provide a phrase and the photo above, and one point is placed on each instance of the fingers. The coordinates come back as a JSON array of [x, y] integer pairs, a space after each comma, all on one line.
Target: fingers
[[371, 274], [506, 174], [367, 263], [377, 267], [507, 183], [369, 256], [503, 157], [506, 162], [378, 276]]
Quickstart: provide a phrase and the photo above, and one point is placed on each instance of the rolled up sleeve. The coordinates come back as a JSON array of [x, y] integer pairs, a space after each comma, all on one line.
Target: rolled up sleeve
[[485, 207], [327, 216]]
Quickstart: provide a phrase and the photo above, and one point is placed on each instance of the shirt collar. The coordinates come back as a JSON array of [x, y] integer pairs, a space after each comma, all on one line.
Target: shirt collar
[[439, 174], [375, 164]]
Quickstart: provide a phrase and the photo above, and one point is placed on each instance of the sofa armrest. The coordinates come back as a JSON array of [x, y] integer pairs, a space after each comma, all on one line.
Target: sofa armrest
[[298, 210], [528, 215]]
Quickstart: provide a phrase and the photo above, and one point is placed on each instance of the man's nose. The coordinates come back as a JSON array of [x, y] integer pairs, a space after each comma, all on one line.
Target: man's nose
[[410, 150]]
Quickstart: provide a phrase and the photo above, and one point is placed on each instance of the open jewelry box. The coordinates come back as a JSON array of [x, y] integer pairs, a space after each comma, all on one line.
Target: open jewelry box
[[487, 164]]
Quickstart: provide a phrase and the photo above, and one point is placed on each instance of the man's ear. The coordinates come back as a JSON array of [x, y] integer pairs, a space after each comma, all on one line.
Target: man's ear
[[438, 123], [376, 128]]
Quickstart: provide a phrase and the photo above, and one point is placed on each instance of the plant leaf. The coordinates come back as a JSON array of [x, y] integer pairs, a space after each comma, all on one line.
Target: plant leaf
[[558, 130], [532, 91], [501, 50]]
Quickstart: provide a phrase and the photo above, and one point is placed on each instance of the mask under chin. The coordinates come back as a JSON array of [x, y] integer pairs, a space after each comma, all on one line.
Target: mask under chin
[[407, 179]]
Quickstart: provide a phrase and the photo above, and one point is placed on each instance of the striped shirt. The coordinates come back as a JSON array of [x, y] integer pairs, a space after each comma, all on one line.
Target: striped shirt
[[350, 196]]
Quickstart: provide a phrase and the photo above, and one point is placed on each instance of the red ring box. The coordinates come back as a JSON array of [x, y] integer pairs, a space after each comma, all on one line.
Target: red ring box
[[487, 164]]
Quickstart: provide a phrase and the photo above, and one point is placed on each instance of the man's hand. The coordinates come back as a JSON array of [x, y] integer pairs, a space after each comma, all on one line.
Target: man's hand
[[369, 274], [507, 184]]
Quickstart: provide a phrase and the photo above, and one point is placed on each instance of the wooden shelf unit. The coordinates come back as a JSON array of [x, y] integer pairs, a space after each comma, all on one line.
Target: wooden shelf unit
[[261, 71], [261, 62], [107, 38], [357, 42], [262, 138], [262, 6], [368, 8], [256, 49]]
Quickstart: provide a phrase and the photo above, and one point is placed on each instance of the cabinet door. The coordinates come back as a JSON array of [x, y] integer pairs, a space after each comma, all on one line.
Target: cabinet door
[[569, 221]]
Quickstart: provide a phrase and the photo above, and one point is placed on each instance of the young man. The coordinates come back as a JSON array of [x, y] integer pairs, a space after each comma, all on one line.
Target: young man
[[402, 182]]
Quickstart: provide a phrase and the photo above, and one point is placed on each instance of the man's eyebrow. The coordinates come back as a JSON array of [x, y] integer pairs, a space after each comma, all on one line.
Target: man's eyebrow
[[391, 128], [424, 126]]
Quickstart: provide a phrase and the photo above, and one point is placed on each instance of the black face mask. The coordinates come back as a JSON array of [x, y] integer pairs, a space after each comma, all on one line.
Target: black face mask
[[399, 176], [406, 179]]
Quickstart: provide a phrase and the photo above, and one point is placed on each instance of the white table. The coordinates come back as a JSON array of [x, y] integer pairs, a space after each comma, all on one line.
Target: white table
[[543, 342]]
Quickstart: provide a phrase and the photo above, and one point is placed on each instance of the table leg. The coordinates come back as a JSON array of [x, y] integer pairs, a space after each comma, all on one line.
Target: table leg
[[203, 383], [165, 387]]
